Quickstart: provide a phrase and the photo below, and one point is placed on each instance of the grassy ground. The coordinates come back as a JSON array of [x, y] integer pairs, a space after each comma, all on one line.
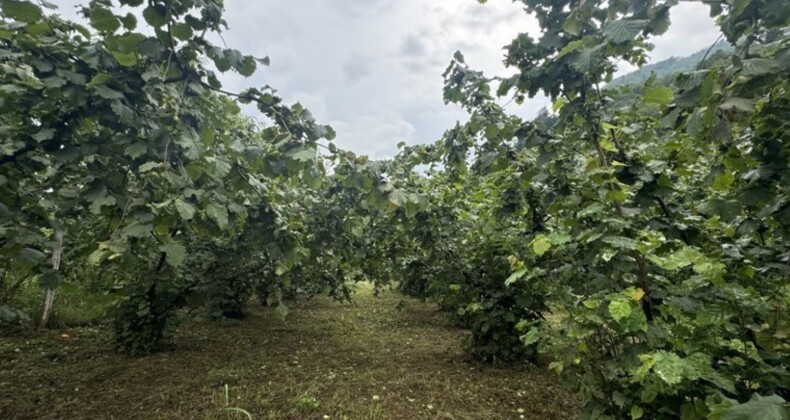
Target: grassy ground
[[385, 357]]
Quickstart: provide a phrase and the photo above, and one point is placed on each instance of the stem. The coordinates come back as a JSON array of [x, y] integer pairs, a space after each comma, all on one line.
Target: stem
[[669, 215], [49, 295], [644, 280]]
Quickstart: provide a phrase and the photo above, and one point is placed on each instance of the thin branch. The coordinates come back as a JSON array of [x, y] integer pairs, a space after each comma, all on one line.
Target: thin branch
[[704, 57]]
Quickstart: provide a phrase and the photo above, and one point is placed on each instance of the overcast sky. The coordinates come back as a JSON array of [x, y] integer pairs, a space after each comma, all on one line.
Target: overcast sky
[[372, 68]]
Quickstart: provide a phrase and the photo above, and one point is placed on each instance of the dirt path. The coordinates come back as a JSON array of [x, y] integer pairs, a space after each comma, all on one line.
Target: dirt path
[[385, 357]]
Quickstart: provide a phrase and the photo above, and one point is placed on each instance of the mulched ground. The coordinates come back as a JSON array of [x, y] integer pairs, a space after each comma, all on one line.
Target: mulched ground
[[385, 357]]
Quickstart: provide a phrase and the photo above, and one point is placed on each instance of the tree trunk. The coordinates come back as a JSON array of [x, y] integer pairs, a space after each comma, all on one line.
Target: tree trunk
[[49, 295]]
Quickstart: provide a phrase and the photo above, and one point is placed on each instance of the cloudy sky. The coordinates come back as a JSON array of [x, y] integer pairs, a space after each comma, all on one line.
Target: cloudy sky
[[372, 68]]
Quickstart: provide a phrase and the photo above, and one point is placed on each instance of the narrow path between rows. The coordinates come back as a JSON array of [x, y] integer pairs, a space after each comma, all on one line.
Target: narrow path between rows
[[385, 357]]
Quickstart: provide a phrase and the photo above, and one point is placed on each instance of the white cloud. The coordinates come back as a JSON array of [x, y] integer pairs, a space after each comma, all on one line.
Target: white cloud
[[374, 133], [372, 68]]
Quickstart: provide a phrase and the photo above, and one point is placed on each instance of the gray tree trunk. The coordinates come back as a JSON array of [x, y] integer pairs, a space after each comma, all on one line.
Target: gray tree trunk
[[49, 295]]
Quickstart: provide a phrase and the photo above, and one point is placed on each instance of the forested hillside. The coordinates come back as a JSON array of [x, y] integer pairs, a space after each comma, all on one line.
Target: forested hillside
[[634, 242], [672, 66]]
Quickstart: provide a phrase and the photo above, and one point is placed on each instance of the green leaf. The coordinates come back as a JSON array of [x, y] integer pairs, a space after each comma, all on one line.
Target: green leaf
[[125, 113], [517, 275], [30, 255], [44, 135], [135, 150], [620, 310], [175, 254], [738, 104], [571, 47], [304, 155], [588, 60], [99, 202], [96, 257], [156, 15], [559, 238], [591, 210], [107, 93], [758, 407], [22, 11], [659, 95], [727, 210], [540, 245], [723, 183], [248, 66], [621, 242], [219, 214], [532, 337], [282, 310], [573, 23], [137, 230], [591, 303], [669, 367], [182, 31], [104, 20], [129, 22], [125, 59], [759, 66], [625, 30], [149, 166], [398, 197], [637, 412], [50, 280], [185, 210], [677, 260]]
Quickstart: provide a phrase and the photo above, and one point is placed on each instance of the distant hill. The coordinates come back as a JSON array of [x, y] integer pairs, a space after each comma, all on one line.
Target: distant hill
[[667, 67]]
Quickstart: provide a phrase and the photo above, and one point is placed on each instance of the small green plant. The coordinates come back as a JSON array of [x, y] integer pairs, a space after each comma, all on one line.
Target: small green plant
[[308, 402]]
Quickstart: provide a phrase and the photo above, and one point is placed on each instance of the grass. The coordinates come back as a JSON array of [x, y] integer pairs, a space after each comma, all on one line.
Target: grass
[[385, 357], [74, 306]]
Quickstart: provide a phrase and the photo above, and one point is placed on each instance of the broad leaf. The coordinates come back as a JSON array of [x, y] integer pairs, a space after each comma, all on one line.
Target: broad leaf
[[175, 254], [22, 11], [620, 31]]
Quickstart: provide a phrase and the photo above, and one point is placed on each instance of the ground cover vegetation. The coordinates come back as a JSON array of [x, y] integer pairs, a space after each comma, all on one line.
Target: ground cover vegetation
[[634, 239]]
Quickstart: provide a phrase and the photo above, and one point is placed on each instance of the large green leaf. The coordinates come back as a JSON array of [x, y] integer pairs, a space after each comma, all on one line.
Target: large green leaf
[[621, 242], [771, 407], [759, 66], [624, 30], [727, 210], [156, 15], [398, 197], [219, 214], [540, 245], [185, 210], [175, 254], [669, 367], [516, 276], [22, 11], [574, 23], [104, 20], [182, 31], [588, 59], [659, 95], [304, 155], [620, 309]]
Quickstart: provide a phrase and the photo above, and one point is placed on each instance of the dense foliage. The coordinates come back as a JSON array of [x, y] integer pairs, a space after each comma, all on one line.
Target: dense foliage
[[637, 237], [120, 135], [647, 236]]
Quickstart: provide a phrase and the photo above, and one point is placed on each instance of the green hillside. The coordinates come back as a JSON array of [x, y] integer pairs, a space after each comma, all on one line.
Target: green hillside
[[668, 67]]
